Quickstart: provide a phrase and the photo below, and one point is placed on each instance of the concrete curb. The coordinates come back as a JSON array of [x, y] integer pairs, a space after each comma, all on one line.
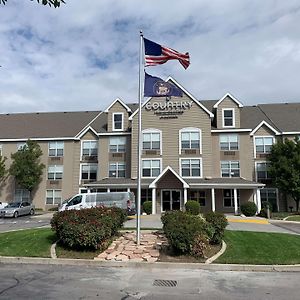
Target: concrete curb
[[158, 265], [52, 251], [213, 258], [284, 221]]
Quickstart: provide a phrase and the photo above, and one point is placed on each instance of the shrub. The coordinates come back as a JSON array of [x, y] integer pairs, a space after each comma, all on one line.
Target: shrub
[[249, 209], [218, 223], [199, 246], [192, 207], [181, 229], [87, 228], [147, 207]]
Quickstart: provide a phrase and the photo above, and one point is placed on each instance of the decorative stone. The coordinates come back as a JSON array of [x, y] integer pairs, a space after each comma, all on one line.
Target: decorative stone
[[138, 251], [151, 259], [122, 257]]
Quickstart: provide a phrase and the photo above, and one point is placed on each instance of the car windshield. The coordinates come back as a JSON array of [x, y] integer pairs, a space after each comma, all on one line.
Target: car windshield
[[14, 204], [65, 201]]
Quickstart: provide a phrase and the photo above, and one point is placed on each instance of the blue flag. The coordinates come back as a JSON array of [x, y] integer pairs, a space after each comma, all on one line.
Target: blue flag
[[156, 87]]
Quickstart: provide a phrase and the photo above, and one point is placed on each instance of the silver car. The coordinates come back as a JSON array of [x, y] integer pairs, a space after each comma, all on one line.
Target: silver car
[[16, 209]]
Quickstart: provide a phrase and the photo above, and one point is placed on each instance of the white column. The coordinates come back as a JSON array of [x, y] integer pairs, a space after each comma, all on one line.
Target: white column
[[128, 190], [235, 202], [153, 201], [213, 200], [258, 200], [184, 196], [108, 190]]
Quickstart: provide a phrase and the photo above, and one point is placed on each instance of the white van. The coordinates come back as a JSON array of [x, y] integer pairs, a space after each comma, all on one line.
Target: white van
[[124, 200]]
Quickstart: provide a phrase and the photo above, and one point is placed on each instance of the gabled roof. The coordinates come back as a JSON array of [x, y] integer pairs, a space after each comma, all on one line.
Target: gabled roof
[[44, 125], [185, 91], [231, 97], [168, 168], [264, 123], [121, 102]]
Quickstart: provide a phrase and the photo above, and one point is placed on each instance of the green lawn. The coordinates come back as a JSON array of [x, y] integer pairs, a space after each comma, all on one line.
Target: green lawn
[[293, 218], [244, 247], [29, 242]]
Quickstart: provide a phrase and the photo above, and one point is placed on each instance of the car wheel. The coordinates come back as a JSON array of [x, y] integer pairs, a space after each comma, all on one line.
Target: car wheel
[[16, 214], [32, 212]]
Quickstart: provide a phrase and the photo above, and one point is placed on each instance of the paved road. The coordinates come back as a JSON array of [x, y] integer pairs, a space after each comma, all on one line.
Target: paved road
[[24, 222], [291, 226], [90, 282]]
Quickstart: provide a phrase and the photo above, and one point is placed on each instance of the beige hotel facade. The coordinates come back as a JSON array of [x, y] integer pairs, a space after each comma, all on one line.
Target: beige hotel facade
[[212, 151]]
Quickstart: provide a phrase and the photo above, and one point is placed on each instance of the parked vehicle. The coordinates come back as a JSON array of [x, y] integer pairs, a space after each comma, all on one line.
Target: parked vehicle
[[124, 200], [3, 204], [16, 209]]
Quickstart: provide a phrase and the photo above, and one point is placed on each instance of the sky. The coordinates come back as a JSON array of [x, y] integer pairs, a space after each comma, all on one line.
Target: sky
[[85, 54]]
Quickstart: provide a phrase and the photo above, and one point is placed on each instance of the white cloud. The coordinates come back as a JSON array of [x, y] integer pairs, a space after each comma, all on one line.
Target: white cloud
[[85, 54]]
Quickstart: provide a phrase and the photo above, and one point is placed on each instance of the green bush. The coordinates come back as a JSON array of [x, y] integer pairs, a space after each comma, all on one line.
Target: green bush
[[147, 207], [218, 223], [182, 229], [249, 209], [87, 228], [199, 246], [192, 207]]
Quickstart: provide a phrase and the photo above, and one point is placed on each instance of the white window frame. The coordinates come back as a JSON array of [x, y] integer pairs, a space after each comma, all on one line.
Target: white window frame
[[117, 145], [89, 141], [151, 159], [88, 164], [230, 168], [262, 136], [150, 131], [1, 149], [117, 163], [191, 158], [56, 172], [53, 196], [56, 148], [233, 117], [190, 129], [113, 121], [228, 141]]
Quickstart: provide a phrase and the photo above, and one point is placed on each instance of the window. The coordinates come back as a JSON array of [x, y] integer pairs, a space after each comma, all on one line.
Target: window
[[0, 150], [198, 195], [56, 148], [22, 195], [269, 195], [230, 168], [117, 144], [150, 167], [89, 148], [263, 144], [151, 141], [262, 170], [146, 195], [228, 198], [229, 142], [89, 171], [117, 121], [228, 117], [117, 169], [190, 138], [20, 146], [55, 172], [191, 167], [53, 197]]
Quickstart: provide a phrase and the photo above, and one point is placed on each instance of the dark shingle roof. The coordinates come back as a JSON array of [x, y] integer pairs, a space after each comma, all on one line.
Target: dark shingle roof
[[44, 125]]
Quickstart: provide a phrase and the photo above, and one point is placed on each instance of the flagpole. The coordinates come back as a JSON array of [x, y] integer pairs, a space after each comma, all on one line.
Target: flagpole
[[139, 171]]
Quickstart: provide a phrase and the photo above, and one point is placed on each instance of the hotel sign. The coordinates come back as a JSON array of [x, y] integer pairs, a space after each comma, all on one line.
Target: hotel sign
[[169, 109]]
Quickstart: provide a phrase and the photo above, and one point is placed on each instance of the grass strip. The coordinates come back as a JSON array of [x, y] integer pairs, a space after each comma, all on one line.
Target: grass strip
[[293, 218], [261, 248], [27, 243]]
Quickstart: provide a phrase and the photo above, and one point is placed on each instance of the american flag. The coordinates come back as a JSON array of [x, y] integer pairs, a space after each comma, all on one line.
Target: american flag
[[156, 54]]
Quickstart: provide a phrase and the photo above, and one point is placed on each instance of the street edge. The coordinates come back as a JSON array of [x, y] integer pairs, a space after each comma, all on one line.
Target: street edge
[[158, 265]]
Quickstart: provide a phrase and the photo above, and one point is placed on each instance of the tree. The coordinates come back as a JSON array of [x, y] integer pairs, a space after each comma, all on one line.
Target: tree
[[3, 171], [55, 3], [26, 166], [285, 167]]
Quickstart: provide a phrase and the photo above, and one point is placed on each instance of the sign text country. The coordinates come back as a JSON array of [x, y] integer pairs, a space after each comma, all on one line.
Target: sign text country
[[170, 105]]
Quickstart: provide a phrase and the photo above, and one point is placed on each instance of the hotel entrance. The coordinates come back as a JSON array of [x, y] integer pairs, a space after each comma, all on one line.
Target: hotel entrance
[[170, 200]]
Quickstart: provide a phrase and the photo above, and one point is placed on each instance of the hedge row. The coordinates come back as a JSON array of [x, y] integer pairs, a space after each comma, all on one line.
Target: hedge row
[[188, 233], [87, 228]]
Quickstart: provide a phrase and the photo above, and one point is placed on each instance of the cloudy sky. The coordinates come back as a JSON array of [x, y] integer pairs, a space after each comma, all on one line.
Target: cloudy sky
[[85, 54]]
